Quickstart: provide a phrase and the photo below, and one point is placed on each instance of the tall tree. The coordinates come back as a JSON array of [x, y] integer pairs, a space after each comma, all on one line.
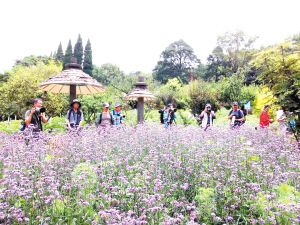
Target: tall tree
[[59, 56], [177, 60], [78, 50], [218, 65], [88, 59], [237, 46], [69, 54], [108, 74]]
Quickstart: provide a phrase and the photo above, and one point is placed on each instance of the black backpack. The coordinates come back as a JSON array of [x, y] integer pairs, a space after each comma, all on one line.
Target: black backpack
[[78, 115], [161, 112], [22, 125]]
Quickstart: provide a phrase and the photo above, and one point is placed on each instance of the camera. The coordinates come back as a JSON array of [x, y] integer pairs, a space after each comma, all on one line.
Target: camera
[[40, 110], [172, 110]]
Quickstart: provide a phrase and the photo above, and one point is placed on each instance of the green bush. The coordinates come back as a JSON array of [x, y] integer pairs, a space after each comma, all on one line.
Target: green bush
[[201, 93], [10, 126]]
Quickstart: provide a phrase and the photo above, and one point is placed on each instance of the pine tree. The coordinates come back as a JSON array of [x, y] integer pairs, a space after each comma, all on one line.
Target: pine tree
[[78, 50], [59, 56], [88, 59], [69, 54]]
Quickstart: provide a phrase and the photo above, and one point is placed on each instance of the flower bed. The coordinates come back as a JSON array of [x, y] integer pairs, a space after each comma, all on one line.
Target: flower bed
[[149, 175]]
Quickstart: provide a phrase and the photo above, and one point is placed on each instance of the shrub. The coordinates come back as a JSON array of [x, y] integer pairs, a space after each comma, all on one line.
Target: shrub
[[201, 93]]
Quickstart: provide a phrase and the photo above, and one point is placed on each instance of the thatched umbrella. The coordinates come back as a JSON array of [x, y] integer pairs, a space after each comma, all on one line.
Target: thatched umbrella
[[72, 80], [140, 94]]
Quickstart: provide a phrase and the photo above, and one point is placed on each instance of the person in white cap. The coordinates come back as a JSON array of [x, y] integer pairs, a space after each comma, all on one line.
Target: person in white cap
[[105, 118], [118, 117], [207, 116]]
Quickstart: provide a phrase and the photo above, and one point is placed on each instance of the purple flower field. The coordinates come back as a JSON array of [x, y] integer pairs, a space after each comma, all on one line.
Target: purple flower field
[[149, 175]]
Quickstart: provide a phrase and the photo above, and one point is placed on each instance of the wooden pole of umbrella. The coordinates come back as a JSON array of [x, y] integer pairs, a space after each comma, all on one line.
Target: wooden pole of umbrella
[[140, 94], [73, 81]]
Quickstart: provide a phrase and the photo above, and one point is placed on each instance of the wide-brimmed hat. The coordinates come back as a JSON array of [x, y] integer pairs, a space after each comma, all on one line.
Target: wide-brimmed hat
[[76, 101]]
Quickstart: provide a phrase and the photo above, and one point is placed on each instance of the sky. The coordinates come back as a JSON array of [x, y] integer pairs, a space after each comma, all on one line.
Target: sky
[[133, 33]]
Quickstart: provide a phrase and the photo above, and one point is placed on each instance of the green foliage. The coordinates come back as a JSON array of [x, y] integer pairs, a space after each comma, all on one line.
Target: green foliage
[[92, 104], [185, 118], [177, 60], [218, 65], [22, 86], [78, 50], [237, 47], [10, 127], [287, 194], [32, 60], [265, 97], [201, 93], [231, 56], [230, 89], [108, 74], [69, 54], [279, 68], [206, 204], [56, 125], [173, 92], [88, 59]]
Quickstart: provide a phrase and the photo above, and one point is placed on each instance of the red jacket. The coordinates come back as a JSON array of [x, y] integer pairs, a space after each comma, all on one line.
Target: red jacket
[[264, 119]]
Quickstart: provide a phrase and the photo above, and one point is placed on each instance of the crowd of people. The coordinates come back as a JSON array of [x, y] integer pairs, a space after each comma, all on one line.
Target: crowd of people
[[35, 117]]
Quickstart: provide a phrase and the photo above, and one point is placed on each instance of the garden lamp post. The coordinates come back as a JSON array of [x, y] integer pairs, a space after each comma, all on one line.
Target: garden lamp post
[[141, 95], [72, 80]]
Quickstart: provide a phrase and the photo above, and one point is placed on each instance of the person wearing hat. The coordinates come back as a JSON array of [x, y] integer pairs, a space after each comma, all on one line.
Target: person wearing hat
[[236, 115], [207, 116], [118, 117], [105, 118], [74, 116]]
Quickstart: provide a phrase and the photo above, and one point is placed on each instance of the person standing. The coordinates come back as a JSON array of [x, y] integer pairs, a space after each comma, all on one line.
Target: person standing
[[264, 118], [118, 117], [236, 116], [74, 116], [105, 118], [168, 115], [36, 116], [207, 116]]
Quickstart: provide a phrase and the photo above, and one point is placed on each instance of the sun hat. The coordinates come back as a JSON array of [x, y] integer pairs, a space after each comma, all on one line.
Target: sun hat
[[76, 101]]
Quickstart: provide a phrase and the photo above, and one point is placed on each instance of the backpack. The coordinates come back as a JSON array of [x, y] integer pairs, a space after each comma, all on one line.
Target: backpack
[[22, 125], [78, 115], [239, 113], [100, 119], [161, 112]]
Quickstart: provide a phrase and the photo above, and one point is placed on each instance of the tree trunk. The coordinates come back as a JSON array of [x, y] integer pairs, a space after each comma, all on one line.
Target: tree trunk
[[140, 110], [72, 93]]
